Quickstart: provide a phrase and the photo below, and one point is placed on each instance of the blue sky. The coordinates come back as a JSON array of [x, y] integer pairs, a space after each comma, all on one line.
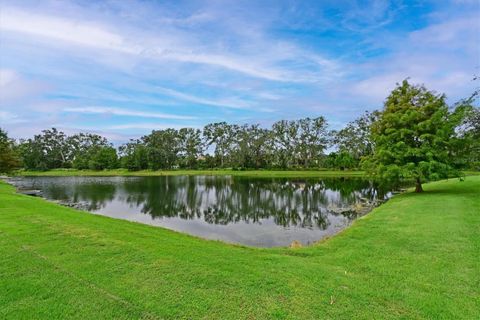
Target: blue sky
[[124, 68]]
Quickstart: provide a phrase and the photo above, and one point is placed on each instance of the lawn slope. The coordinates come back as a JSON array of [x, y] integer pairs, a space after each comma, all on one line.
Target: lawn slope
[[415, 257]]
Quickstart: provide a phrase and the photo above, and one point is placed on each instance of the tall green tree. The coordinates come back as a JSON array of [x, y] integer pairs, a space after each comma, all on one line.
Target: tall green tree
[[133, 155], [412, 136], [472, 134], [252, 146], [467, 118], [312, 140], [191, 146], [91, 151], [356, 137], [56, 148], [9, 159], [47, 150], [32, 154], [285, 142], [162, 148], [220, 135], [299, 142], [104, 157]]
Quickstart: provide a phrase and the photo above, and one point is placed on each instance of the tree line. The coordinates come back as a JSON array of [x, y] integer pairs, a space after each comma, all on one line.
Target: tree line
[[416, 134], [286, 145]]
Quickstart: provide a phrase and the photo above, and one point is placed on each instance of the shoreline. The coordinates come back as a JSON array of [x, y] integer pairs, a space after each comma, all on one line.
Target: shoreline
[[360, 209], [237, 173]]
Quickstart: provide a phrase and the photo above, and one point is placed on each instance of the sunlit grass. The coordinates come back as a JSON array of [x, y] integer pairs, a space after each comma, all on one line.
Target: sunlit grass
[[415, 257], [249, 173]]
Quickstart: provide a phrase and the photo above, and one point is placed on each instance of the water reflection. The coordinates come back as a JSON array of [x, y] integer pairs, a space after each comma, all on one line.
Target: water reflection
[[265, 212]]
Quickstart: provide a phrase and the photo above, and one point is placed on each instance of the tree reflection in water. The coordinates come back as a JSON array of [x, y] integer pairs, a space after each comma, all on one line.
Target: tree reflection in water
[[223, 200], [219, 200]]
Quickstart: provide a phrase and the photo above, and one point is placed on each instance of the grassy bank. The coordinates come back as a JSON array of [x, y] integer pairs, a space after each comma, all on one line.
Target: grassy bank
[[415, 257], [246, 173]]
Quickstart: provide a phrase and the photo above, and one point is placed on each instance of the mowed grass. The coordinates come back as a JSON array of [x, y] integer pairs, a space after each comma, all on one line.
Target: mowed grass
[[415, 257], [218, 172]]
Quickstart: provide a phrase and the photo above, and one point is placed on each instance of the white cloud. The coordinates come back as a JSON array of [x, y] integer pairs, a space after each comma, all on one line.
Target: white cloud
[[450, 34], [228, 103], [14, 87], [9, 117], [166, 44], [377, 87], [229, 63], [427, 56], [366, 17], [124, 112], [74, 31], [150, 126], [7, 76]]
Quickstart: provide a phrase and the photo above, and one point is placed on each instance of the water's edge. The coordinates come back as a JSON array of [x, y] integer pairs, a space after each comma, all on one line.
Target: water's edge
[[360, 209]]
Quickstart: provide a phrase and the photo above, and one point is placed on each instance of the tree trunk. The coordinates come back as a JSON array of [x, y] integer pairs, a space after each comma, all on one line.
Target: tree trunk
[[418, 186]]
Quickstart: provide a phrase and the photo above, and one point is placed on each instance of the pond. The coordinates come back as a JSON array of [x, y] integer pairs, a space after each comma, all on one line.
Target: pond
[[251, 211]]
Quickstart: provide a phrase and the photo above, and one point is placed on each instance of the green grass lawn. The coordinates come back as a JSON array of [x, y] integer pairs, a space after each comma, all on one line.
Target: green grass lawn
[[246, 173], [415, 257]]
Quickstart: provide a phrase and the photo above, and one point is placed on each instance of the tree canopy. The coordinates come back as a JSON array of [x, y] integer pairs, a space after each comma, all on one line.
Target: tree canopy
[[412, 136], [9, 159], [355, 138]]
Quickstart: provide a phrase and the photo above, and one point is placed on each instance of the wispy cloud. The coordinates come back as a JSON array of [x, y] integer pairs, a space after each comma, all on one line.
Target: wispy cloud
[[428, 56], [150, 126], [101, 36], [73, 31], [130, 62], [9, 117], [124, 112], [14, 87], [228, 103]]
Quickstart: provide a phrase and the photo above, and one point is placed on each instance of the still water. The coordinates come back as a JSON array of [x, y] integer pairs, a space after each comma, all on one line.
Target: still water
[[252, 211]]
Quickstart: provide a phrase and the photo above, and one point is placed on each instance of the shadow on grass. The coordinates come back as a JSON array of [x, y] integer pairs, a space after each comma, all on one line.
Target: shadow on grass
[[459, 191], [461, 188]]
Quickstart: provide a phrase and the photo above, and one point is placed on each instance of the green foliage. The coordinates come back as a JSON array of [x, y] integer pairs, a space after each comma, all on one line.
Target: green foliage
[[356, 137], [466, 143], [472, 137], [287, 144], [134, 156], [102, 158], [299, 143], [341, 160], [91, 151], [32, 155], [162, 148], [53, 149], [47, 150], [191, 147], [9, 159], [252, 147], [313, 140], [412, 136], [221, 135]]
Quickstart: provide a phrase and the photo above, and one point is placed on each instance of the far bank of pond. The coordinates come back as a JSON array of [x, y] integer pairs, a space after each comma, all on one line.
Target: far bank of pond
[[219, 172]]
